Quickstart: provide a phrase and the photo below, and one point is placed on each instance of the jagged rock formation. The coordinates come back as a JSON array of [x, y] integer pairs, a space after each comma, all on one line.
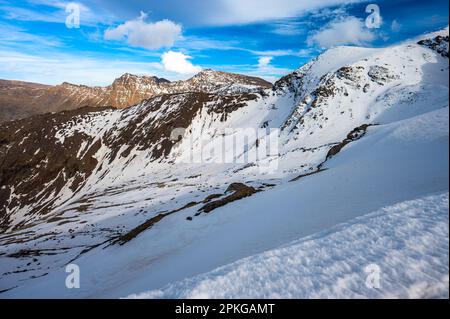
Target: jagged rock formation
[[438, 43]]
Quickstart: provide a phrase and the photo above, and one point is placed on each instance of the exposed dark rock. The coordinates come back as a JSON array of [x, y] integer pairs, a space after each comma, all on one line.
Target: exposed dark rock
[[439, 44], [123, 239], [211, 197], [239, 191], [318, 170], [354, 135], [139, 229], [34, 158], [380, 74]]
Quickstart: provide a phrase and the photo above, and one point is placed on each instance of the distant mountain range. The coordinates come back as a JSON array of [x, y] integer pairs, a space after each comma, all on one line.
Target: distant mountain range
[[22, 99]]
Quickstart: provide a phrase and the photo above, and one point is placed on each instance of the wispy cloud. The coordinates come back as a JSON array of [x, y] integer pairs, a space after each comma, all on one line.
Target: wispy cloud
[[194, 43], [279, 53], [53, 12], [24, 14], [51, 3], [223, 12], [12, 36], [252, 11], [290, 28]]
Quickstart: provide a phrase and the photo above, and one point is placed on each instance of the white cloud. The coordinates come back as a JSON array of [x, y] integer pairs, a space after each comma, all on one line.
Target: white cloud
[[147, 35], [178, 62], [264, 69], [264, 61], [346, 31]]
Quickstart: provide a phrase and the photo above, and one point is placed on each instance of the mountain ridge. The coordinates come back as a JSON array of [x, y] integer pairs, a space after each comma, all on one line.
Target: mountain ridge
[[17, 101]]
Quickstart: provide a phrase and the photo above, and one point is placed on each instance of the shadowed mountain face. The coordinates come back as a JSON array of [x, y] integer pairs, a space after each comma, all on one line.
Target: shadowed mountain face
[[51, 149], [21, 99]]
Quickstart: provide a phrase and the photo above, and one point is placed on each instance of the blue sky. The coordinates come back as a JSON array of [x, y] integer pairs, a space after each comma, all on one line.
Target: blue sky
[[177, 38]]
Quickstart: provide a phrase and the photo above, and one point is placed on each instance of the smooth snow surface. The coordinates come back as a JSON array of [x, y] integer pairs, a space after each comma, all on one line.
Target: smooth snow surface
[[408, 242]]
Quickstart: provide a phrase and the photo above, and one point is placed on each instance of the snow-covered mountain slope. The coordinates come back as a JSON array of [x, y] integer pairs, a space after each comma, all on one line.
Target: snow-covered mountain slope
[[21, 100], [374, 172], [385, 241], [117, 192]]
